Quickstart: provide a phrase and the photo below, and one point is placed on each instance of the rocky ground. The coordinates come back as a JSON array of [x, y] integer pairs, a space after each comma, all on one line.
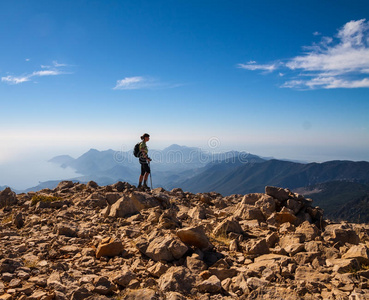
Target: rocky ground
[[115, 242]]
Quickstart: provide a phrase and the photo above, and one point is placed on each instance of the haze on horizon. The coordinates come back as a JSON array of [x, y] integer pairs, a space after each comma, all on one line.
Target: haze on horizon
[[287, 79]]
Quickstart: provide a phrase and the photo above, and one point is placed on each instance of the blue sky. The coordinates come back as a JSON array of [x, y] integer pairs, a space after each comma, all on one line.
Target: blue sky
[[287, 79]]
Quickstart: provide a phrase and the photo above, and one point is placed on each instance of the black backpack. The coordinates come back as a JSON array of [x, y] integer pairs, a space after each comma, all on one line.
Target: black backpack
[[136, 150]]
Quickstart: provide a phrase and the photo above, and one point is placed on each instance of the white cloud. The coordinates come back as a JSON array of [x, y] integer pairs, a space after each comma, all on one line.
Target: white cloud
[[131, 83], [253, 66], [46, 73], [140, 82], [51, 71], [15, 79], [333, 63]]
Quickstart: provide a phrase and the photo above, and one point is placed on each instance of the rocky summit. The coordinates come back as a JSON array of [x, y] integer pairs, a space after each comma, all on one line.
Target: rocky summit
[[84, 241]]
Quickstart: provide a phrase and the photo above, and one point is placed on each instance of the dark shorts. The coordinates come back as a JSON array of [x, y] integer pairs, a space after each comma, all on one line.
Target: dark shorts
[[145, 168]]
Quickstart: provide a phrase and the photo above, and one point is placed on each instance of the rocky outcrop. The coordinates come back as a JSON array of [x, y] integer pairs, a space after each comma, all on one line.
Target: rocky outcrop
[[82, 241]]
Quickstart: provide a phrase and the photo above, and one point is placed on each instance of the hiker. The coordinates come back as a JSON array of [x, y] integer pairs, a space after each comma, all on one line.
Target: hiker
[[144, 161]]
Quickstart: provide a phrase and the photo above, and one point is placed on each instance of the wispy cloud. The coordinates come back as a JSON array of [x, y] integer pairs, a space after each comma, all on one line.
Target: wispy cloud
[[141, 82], [338, 62], [49, 71], [253, 66]]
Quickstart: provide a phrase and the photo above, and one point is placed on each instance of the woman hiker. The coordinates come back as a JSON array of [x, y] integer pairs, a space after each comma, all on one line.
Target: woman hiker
[[144, 161]]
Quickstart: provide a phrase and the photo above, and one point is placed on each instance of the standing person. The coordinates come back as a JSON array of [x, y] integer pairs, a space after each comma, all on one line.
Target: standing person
[[144, 161]]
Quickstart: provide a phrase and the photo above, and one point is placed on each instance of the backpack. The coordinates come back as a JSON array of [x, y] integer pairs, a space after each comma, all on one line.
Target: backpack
[[136, 150]]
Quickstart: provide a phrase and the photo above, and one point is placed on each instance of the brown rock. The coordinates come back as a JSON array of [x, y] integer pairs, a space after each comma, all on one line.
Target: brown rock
[[211, 285], [7, 197], [176, 279], [278, 193], [166, 248], [257, 247], [360, 252], [109, 247], [248, 212], [308, 274], [310, 231], [228, 225], [267, 205], [195, 236], [123, 207]]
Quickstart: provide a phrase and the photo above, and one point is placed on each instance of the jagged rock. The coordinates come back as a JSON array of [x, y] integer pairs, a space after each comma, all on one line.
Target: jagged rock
[[166, 249], [278, 193], [267, 205], [195, 236], [7, 197], [64, 185], [109, 247], [158, 269], [211, 285], [195, 264], [123, 207], [248, 212], [310, 231], [251, 198], [284, 216], [176, 279], [360, 252], [258, 247], [227, 226], [124, 277], [18, 220], [343, 265], [81, 293], [92, 185], [308, 274], [142, 200], [67, 230], [104, 286]]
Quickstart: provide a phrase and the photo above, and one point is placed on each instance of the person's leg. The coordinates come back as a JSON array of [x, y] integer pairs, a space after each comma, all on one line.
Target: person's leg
[[146, 176], [141, 176]]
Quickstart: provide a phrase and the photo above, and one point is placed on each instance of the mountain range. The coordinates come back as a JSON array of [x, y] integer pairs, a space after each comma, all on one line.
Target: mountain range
[[333, 185]]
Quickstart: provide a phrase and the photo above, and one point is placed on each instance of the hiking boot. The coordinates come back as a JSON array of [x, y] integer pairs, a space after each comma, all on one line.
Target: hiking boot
[[145, 187]]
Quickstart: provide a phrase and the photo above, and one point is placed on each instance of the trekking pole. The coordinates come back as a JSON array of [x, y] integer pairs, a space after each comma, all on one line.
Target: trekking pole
[[150, 175]]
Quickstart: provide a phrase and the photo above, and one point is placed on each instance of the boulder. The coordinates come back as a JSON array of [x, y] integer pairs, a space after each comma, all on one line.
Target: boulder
[[278, 193], [257, 247], [267, 205], [109, 247], [66, 229], [308, 274], [177, 279], [251, 199], [142, 200], [195, 236], [360, 252], [228, 225], [124, 277], [18, 220], [104, 286], [211, 285], [310, 231], [7, 197], [165, 249], [124, 207], [248, 212]]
